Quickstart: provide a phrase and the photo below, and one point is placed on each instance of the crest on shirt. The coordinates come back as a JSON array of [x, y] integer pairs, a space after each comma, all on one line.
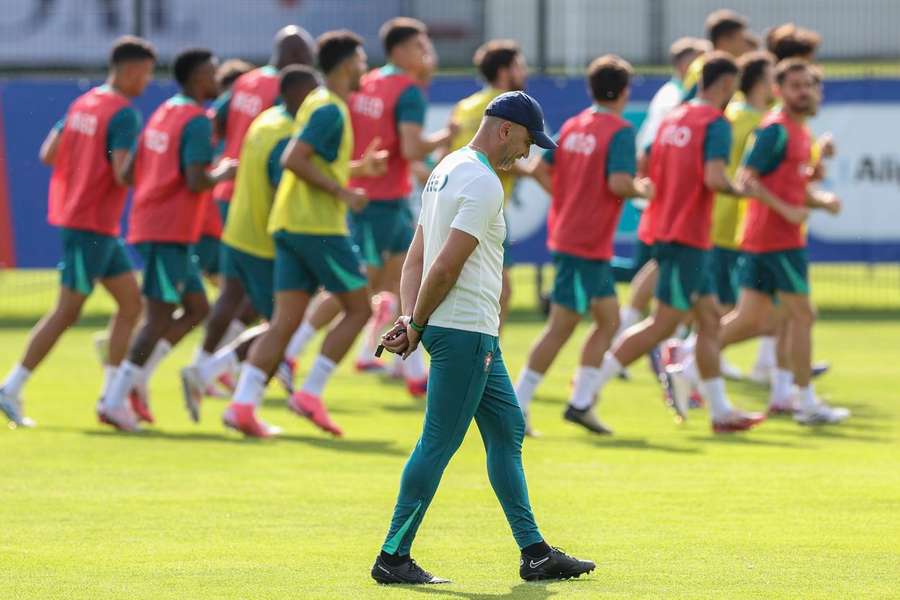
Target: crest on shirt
[[436, 182], [488, 358]]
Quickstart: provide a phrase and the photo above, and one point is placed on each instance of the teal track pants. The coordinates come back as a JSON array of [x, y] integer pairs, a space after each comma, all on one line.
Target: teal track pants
[[467, 379]]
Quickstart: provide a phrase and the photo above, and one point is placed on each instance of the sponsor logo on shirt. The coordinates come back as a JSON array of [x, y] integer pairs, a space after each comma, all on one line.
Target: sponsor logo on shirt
[[248, 104], [83, 123], [675, 135], [156, 141], [369, 106], [580, 143]]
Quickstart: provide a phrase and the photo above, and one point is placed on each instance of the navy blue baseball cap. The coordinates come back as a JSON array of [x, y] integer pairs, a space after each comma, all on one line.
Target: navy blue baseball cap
[[522, 109]]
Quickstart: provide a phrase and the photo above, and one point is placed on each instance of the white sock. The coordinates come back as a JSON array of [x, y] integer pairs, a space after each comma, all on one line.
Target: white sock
[[808, 399], [765, 357], [200, 356], [160, 350], [713, 391], [250, 386], [318, 375], [689, 343], [223, 360], [299, 340], [414, 365], [610, 368], [782, 382], [682, 331], [628, 316], [689, 369], [16, 380], [235, 328], [526, 386], [109, 372], [122, 382], [587, 383]]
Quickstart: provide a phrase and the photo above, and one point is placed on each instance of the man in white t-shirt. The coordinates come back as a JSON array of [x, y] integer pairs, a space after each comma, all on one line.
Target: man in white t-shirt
[[450, 288]]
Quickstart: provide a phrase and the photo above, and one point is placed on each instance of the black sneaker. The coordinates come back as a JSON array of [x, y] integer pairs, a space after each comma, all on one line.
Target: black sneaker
[[409, 573], [556, 564], [587, 419]]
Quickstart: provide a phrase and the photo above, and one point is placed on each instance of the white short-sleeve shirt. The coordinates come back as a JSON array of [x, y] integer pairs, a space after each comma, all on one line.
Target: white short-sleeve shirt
[[464, 193]]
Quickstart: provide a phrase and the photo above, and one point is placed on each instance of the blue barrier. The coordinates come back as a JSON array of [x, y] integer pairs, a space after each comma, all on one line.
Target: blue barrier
[[30, 107]]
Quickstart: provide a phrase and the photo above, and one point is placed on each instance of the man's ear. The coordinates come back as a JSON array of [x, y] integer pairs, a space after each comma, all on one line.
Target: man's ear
[[505, 128]]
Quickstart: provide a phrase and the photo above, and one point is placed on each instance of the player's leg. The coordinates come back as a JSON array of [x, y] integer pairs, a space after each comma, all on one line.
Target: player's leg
[[266, 351], [642, 287], [167, 268], [501, 426], [569, 299], [338, 269], [792, 281], [723, 415], [559, 328], [598, 280], [782, 399], [126, 293], [725, 274], [42, 339]]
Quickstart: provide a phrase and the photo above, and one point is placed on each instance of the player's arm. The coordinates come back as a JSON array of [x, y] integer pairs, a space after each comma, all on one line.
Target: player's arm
[[621, 164], [121, 141], [821, 199], [197, 155], [410, 113], [716, 153], [50, 144], [321, 136]]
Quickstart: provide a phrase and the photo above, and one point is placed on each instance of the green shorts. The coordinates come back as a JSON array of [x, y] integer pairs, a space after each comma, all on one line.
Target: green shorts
[[684, 274], [89, 256], [578, 281], [305, 262], [725, 267], [382, 229], [780, 271], [643, 253], [170, 271], [257, 276], [206, 251]]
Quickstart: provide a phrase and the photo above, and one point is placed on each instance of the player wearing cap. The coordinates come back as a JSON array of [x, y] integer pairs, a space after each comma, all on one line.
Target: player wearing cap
[[450, 292], [588, 176]]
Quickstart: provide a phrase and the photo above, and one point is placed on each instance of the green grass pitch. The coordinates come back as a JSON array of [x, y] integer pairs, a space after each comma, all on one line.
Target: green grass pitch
[[667, 511]]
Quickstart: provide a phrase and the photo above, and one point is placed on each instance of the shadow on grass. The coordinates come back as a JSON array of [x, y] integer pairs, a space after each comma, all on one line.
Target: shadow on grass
[[620, 443], [744, 439], [352, 446], [536, 591], [841, 432], [404, 408]]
